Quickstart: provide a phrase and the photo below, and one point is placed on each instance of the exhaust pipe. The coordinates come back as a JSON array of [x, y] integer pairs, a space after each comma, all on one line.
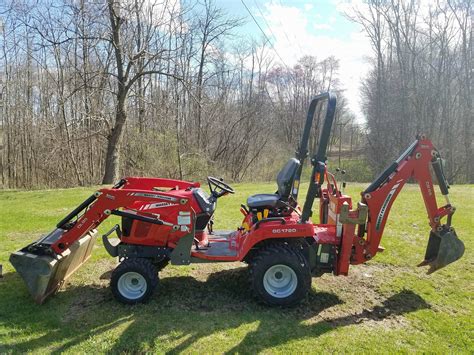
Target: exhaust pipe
[[444, 247], [44, 274]]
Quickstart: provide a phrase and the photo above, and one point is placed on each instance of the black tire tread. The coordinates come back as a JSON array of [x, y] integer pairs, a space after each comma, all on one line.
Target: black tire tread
[[160, 265], [142, 266], [270, 251]]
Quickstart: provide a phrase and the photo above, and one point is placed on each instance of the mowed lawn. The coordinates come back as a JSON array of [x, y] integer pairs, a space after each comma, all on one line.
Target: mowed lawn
[[388, 305]]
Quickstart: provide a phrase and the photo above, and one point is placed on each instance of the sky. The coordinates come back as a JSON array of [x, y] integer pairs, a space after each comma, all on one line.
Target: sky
[[310, 27]]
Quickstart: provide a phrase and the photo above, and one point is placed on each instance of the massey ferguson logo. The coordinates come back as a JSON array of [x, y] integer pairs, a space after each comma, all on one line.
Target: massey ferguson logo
[[162, 197], [158, 205]]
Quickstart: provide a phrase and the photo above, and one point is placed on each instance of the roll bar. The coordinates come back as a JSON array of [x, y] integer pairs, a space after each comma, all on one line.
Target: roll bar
[[319, 158], [302, 151]]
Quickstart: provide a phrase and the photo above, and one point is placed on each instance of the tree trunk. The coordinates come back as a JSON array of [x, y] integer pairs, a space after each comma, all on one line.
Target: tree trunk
[[114, 141]]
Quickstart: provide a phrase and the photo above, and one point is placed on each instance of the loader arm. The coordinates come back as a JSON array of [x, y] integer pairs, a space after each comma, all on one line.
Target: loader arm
[[46, 263], [443, 247], [107, 202]]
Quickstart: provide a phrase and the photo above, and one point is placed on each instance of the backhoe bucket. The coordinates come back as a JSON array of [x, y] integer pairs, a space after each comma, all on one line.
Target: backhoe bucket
[[44, 274], [443, 248]]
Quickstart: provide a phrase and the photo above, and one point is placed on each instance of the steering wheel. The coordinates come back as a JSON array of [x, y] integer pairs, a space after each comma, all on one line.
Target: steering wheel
[[219, 184]]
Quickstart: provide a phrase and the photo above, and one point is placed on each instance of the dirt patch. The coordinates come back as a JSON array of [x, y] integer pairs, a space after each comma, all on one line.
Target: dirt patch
[[363, 303], [368, 319], [388, 314], [84, 301], [99, 272], [204, 271], [359, 288], [88, 288]]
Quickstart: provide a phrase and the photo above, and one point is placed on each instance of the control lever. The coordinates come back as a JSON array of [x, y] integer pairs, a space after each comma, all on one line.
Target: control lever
[[343, 186], [343, 183]]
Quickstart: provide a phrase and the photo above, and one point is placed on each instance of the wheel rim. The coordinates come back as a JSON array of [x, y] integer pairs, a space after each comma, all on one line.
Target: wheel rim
[[280, 281], [132, 285]]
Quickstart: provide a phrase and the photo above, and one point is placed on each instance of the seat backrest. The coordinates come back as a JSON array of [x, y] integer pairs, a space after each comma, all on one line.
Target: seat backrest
[[286, 176]]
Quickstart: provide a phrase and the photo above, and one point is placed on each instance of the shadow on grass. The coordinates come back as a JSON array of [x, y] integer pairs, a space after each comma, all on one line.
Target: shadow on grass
[[183, 312], [398, 304]]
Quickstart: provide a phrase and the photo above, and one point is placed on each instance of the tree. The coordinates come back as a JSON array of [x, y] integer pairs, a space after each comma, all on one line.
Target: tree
[[131, 64], [212, 26], [421, 80]]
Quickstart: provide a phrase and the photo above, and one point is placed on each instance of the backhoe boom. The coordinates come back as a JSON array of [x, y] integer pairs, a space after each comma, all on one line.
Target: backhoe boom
[[414, 163]]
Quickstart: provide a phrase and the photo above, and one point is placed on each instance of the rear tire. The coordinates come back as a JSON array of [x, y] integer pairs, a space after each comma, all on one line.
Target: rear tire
[[134, 281], [280, 275]]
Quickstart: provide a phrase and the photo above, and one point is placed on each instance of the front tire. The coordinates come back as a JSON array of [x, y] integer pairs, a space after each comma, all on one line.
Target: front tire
[[134, 281], [160, 265], [280, 275]]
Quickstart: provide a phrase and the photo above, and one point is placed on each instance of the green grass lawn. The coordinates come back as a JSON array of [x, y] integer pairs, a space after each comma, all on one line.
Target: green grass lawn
[[387, 305]]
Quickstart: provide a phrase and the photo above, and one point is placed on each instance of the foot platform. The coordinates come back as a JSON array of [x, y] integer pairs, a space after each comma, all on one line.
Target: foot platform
[[220, 245]]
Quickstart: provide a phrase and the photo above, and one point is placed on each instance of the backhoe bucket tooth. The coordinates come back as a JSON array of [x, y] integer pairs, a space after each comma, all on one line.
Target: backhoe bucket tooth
[[443, 248], [44, 274]]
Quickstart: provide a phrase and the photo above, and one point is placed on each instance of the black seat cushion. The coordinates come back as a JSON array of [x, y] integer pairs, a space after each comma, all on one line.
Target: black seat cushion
[[285, 179], [263, 200], [286, 176]]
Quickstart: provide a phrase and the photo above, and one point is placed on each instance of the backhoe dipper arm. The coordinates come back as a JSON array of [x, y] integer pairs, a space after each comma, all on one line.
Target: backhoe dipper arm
[[379, 196]]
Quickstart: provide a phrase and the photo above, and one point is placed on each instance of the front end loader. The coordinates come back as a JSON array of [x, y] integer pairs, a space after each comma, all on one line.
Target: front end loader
[[170, 221]]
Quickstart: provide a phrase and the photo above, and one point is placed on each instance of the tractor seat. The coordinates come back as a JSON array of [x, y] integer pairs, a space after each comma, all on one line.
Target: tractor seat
[[263, 200], [285, 179]]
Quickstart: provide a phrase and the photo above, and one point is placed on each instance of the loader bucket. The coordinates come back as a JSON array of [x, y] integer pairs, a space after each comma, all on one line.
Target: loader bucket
[[44, 274], [444, 247]]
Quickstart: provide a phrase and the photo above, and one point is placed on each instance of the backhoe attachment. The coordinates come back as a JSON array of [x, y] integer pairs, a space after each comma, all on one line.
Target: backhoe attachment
[[420, 161], [444, 247]]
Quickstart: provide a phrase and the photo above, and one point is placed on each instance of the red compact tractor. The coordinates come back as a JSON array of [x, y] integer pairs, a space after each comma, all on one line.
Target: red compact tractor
[[165, 220]]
